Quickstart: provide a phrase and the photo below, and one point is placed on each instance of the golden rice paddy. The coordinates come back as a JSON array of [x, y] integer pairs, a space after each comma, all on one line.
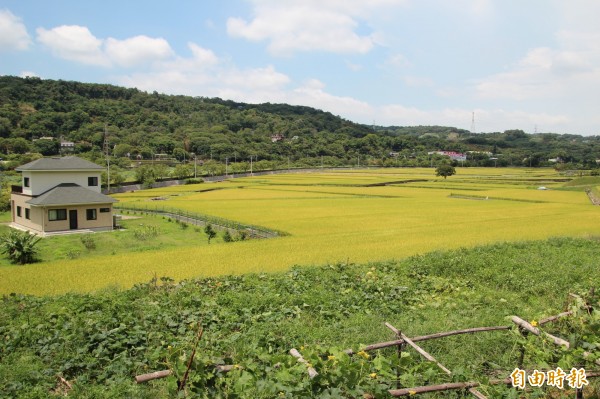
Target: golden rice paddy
[[334, 216]]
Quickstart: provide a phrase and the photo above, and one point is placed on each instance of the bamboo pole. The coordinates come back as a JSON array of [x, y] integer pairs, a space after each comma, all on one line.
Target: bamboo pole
[[312, 373], [443, 387], [525, 325], [152, 376], [427, 356], [553, 318], [387, 344]]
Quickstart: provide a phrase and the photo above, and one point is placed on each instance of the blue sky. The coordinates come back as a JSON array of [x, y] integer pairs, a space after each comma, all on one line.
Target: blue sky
[[532, 65]]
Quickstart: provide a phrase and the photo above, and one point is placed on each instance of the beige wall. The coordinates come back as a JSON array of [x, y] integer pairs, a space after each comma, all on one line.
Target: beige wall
[[35, 214], [103, 220], [38, 220]]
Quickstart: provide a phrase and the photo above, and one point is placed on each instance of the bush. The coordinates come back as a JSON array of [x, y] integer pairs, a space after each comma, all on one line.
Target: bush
[[227, 236], [194, 181], [146, 233], [210, 232], [19, 246], [88, 242]]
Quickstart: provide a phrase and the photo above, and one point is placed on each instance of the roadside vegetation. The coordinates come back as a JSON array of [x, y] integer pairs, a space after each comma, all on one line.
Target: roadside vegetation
[[98, 343]]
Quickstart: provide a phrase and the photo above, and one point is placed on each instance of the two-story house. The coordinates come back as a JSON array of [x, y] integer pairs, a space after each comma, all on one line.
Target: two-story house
[[61, 194]]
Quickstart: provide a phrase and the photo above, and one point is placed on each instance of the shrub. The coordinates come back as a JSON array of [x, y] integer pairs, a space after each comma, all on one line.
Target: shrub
[[73, 254], [88, 242], [19, 246], [146, 233], [210, 232], [227, 236]]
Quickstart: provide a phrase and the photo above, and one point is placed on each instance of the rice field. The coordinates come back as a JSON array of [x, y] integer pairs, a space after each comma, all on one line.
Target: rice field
[[334, 216]]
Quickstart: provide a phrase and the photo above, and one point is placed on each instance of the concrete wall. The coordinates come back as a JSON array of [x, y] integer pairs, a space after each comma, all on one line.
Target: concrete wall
[[40, 182]]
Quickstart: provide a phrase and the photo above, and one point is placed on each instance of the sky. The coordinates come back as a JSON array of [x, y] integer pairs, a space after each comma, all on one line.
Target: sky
[[479, 65]]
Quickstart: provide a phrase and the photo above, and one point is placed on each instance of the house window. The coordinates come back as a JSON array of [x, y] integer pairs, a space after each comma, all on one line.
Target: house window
[[26, 181], [57, 214], [90, 214], [104, 210], [19, 211], [27, 216], [92, 181]]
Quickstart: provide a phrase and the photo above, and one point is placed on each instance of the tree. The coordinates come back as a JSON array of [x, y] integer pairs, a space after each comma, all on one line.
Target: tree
[[210, 232], [445, 170], [19, 246], [182, 171]]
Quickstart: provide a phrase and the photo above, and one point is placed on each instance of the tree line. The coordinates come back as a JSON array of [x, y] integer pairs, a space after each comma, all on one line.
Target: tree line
[[36, 115]]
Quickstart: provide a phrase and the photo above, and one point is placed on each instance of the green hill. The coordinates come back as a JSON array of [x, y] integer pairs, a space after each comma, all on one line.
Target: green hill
[[145, 124]]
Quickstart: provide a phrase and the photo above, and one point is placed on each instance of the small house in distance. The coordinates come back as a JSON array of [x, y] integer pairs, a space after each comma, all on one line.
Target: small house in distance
[[60, 194]]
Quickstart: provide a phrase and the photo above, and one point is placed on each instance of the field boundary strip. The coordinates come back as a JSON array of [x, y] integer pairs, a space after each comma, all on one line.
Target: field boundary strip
[[199, 219]]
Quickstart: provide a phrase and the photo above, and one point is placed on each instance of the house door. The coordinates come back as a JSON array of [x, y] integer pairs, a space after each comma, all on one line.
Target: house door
[[73, 219]]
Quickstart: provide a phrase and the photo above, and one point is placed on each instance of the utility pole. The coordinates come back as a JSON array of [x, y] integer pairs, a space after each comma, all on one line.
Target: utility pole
[[251, 166], [195, 166], [226, 166], [106, 153]]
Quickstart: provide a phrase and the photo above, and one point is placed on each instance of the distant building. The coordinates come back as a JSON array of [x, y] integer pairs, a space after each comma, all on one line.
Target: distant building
[[60, 194], [455, 156], [276, 137], [66, 146], [486, 153]]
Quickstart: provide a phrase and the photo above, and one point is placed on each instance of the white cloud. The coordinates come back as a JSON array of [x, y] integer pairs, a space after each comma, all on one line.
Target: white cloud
[[137, 50], [397, 61], [310, 25], [418, 81], [313, 94], [13, 33], [486, 120], [204, 74], [74, 43], [562, 72], [77, 43], [29, 74]]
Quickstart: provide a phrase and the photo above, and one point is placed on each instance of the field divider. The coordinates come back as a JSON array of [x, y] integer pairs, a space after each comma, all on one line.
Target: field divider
[[199, 219]]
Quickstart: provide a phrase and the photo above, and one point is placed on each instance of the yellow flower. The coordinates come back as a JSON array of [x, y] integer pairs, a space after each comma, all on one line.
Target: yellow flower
[[373, 375], [169, 347], [330, 357], [412, 392], [363, 354], [534, 323]]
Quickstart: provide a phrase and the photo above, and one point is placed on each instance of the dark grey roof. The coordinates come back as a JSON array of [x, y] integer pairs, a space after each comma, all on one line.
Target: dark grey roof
[[64, 163], [70, 194]]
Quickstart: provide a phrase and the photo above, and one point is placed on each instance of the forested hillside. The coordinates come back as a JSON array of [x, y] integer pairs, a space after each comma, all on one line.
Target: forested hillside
[[141, 125]]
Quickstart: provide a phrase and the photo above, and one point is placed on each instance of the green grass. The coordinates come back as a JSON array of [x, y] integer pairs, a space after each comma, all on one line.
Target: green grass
[[99, 342], [171, 235]]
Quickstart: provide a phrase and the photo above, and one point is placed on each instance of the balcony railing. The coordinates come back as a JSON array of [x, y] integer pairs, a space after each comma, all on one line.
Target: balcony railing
[[16, 189]]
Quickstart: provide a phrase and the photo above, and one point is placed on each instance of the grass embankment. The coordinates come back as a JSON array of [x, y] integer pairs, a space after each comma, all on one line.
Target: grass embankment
[[99, 342]]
